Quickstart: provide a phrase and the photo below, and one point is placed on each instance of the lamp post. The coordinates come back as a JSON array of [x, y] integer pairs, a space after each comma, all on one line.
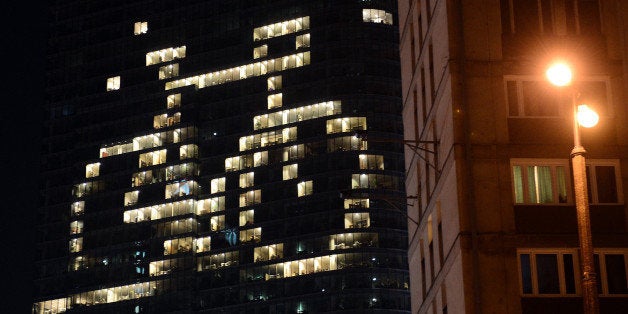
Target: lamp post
[[560, 75]]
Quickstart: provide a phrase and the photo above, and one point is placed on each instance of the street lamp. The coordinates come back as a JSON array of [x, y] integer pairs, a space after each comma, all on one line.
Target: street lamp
[[560, 75]]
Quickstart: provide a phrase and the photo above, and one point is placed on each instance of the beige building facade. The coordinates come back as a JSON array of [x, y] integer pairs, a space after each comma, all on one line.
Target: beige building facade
[[488, 168]]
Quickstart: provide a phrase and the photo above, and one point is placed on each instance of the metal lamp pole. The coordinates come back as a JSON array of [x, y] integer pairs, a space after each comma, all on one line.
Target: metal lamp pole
[[560, 74], [589, 277]]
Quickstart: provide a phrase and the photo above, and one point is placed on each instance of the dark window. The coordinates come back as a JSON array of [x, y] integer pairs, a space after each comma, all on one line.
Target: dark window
[[525, 16], [526, 273], [616, 273], [570, 282], [547, 273], [539, 99]]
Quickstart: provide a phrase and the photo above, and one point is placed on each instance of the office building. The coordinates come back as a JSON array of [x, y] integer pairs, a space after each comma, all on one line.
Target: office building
[[497, 227], [222, 157]]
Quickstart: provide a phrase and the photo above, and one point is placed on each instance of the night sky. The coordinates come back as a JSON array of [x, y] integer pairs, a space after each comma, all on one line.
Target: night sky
[[23, 35]]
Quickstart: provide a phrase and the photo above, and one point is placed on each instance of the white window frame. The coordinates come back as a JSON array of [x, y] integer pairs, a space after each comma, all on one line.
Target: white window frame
[[553, 163], [603, 275], [564, 109], [532, 252], [591, 164]]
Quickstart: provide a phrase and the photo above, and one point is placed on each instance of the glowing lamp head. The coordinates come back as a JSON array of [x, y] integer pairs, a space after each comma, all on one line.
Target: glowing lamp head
[[559, 74], [587, 117]]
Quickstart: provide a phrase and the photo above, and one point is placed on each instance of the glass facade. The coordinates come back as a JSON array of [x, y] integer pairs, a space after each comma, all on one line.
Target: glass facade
[[218, 171]]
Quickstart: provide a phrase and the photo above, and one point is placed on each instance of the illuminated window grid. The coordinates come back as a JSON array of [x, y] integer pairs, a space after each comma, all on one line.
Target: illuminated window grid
[[242, 72], [101, 296], [281, 28], [293, 115]]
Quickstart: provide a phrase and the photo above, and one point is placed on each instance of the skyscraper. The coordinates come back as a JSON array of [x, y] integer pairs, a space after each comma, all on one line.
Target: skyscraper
[[222, 157], [497, 229]]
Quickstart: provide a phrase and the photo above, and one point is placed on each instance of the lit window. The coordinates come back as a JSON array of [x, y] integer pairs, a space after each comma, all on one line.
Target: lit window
[[540, 181], [303, 41], [281, 28], [294, 152], [140, 28], [76, 245], [217, 223], [168, 71], [218, 185], [188, 151], [268, 252], [77, 208], [346, 125], [260, 52], [210, 205], [251, 235], [220, 260], [346, 143], [175, 246], [202, 244], [180, 189], [113, 83], [76, 227], [247, 218], [275, 101], [250, 198], [352, 203], [152, 158], [165, 55], [377, 16], [290, 171], [92, 170], [130, 198], [373, 181], [374, 162], [305, 188], [173, 101], [247, 179], [357, 220], [274, 83]]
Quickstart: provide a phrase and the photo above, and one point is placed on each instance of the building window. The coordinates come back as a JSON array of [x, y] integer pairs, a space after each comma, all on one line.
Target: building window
[[581, 17], [274, 83], [250, 198], [247, 179], [140, 28], [540, 181], [260, 52], [92, 170], [377, 16], [374, 162], [173, 101], [247, 218], [357, 220], [548, 181], [610, 266], [217, 185], [548, 272], [340, 125], [305, 188], [113, 83], [604, 181], [290, 171], [168, 71], [535, 97], [275, 101], [303, 41], [77, 208], [556, 271]]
